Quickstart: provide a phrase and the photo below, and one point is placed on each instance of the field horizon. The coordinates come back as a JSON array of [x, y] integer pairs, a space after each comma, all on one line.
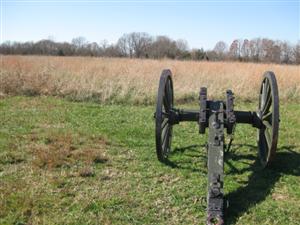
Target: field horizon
[[135, 81]]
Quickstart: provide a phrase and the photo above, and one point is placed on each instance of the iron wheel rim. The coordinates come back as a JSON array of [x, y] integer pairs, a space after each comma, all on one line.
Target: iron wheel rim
[[163, 128], [268, 112]]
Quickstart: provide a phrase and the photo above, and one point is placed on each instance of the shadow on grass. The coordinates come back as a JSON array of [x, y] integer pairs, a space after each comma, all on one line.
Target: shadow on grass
[[184, 158], [260, 182]]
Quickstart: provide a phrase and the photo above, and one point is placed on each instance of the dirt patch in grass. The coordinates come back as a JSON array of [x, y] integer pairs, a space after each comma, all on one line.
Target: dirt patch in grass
[[64, 150], [279, 197]]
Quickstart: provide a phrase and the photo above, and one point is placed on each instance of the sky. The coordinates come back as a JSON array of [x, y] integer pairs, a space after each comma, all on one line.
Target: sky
[[201, 23]]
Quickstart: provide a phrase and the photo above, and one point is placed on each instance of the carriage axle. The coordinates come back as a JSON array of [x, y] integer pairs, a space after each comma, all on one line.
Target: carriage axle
[[182, 115]]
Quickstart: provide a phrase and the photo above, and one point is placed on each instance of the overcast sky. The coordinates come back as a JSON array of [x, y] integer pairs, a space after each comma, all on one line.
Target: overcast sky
[[201, 23]]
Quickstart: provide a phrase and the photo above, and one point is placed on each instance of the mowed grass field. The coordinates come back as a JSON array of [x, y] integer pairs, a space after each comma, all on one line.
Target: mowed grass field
[[64, 162], [92, 160]]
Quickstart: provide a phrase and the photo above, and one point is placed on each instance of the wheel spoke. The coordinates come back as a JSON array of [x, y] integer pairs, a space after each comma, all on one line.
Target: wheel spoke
[[268, 138], [268, 117], [164, 124], [165, 137], [268, 89], [169, 93], [168, 139], [165, 115], [164, 131], [164, 110], [263, 145], [263, 95], [166, 103], [267, 124], [166, 96], [268, 103]]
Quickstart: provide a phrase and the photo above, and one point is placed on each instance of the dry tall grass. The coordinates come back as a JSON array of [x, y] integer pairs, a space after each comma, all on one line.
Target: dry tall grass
[[112, 80]]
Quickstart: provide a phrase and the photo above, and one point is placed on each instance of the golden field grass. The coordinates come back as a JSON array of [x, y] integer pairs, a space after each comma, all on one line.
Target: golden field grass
[[135, 81]]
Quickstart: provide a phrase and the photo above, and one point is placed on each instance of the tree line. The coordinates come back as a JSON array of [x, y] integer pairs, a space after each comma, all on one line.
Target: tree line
[[143, 45]]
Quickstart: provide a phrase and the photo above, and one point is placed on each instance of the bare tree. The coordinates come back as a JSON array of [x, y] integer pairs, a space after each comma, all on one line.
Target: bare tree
[[94, 49], [197, 54], [112, 51], [79, 42], [182, 45], [103, 44], [266, 47], [220, 49], [65, 48], [235, 49], [275, 53], [286, 52], [141, 43], [297, 53], [124, 46], [254, 49], [245, 50], [134, 44], [45, 47], [163, 46]]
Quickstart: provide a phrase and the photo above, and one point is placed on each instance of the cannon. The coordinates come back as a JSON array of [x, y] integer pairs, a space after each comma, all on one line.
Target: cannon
[[218, 115]]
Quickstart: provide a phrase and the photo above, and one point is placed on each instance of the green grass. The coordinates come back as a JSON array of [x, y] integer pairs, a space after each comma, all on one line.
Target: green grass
[[82, 163]]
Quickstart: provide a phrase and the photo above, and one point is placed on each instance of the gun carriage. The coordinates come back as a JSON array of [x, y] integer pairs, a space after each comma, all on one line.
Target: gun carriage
[[220, 118]]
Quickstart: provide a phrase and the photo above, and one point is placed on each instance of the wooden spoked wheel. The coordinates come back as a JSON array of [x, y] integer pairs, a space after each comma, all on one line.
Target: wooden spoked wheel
[[268, 112], [163, 128]]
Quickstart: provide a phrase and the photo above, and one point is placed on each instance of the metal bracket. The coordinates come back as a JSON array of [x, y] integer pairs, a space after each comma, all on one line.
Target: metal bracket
[[215, 208], [203, 107], [229, 111], [174, 116]]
